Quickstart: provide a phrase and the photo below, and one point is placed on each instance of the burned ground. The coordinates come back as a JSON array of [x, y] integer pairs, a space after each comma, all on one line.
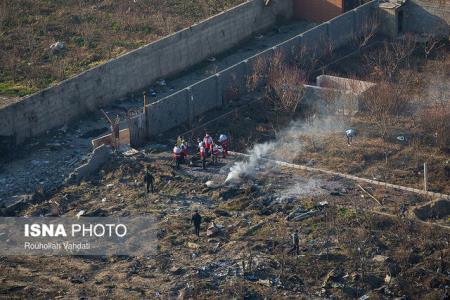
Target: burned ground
[[346, 249]]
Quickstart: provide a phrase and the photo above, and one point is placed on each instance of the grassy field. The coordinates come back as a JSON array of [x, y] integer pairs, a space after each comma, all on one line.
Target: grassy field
[[92, 31]]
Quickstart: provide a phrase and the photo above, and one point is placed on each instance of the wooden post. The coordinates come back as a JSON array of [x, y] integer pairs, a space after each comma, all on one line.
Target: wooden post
[[425, 177], [145, 131], [145, 103]]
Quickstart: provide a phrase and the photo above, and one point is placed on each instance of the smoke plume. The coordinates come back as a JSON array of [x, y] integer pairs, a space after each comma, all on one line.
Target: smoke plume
[[287, 146]]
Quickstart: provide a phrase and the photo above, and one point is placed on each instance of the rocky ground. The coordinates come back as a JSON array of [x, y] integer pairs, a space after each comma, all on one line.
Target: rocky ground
[[346, 250]]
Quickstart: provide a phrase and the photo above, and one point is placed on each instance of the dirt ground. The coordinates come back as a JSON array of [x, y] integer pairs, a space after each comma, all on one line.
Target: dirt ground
[[346, 251]]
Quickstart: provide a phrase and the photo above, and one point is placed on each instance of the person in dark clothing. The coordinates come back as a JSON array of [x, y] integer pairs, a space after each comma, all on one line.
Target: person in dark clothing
[[295, 242], [403, 210], [197, 220], [149, 180]]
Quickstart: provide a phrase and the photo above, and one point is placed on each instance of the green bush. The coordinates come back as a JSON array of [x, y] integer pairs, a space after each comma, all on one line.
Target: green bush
[[15, 90]]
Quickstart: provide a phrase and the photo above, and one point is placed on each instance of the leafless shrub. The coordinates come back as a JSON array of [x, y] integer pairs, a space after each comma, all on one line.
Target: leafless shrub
[[384, 103], [285, 87], [284, 82], [327, 46], [165, 23], [368, 30], [386, 61], [431, 44], [435, 119], [258, 74], [205, 7], [307, 59], [4, 11]]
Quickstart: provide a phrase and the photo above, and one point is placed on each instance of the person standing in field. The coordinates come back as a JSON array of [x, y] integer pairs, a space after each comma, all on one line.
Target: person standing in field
[[149, 180], [197, 220]]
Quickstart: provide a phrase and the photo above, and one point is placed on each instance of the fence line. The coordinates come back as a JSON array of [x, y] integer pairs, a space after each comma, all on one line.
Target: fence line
[[355, 178]]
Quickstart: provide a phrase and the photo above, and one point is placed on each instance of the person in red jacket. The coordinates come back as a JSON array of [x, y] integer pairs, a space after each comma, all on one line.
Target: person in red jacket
[[208, 142], [177, 155], [184, 152], [223, 140]]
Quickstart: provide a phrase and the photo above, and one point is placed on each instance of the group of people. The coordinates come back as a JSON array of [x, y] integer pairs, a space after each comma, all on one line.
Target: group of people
[[206, 147], [180, 151]]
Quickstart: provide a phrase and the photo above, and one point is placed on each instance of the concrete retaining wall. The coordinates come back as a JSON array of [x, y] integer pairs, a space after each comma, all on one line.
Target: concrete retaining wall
[[316, 39], [334, 82], [205, 95], [59, 105], [330, 101], [215, 90], [341, 30], [427, 16], [169, 112], [234, 79]]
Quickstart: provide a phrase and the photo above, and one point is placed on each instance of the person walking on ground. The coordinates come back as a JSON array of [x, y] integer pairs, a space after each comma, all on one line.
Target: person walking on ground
[[149, 180], [295, 242], [197, 220], [350, 133]]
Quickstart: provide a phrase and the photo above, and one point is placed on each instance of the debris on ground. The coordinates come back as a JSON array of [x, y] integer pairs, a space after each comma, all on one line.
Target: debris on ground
[[99, 156], [57, 47], [213, 230]]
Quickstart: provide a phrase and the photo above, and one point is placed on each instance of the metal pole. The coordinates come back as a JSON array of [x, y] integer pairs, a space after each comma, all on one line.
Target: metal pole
[[425, 176]]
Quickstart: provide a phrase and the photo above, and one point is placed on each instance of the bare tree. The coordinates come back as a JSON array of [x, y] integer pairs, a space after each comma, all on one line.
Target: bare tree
[[386, 61], [435, 119], [258, 74], [307, 59], [431, 43], [285, 87], [379, 105], [284, 83]]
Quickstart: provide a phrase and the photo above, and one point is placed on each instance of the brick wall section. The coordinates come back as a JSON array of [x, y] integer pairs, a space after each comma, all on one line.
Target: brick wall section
[[59, 105], [318, 10]]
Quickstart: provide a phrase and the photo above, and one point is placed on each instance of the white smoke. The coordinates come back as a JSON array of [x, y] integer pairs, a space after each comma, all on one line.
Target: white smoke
[[286, 147], [247, 168]]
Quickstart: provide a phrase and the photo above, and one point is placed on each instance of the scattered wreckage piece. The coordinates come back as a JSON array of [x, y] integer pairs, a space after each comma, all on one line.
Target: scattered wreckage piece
[[99, 156]]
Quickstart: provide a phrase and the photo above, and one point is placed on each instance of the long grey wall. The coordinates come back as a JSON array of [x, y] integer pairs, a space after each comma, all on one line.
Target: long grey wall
[[209, 93], [58, 105], [427, 16]]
